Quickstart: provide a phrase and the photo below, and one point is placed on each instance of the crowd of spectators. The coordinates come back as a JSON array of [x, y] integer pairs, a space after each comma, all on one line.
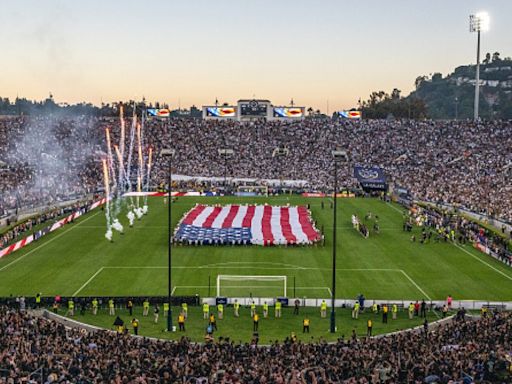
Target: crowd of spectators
[[451, 226], [463, 163], [459, 351]]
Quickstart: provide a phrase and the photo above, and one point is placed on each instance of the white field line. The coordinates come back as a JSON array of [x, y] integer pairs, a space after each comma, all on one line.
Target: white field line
[[416, 285], [484, 262], [252, 267], [330, 292], [395, 208], [172, 292], [88, 281], [46, 242]]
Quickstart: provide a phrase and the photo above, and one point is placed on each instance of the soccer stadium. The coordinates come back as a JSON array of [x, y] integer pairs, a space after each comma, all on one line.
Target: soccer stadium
[[255, 240]]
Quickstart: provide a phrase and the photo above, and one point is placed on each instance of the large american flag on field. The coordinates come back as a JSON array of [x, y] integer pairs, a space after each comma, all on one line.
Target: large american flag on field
[[247, 224]]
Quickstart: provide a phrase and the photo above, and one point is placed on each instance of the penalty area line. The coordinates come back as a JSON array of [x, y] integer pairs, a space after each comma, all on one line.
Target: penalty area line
[[88, 281], [416, 285]]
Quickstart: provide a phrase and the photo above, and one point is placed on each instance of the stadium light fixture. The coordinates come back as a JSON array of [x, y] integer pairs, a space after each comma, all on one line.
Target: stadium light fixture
[[169, 153], [479, 22], [338, 155]]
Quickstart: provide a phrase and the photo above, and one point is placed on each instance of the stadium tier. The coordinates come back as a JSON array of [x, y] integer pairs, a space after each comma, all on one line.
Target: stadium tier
[[462, 163]]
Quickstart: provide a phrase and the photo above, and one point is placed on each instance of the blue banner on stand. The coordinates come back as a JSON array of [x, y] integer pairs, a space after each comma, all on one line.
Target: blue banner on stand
[[371, 177]]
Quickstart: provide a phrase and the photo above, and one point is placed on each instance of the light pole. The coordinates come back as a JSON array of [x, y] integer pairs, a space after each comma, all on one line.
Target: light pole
[[477, 23], [169, 153], [225, 153], [337, 155]]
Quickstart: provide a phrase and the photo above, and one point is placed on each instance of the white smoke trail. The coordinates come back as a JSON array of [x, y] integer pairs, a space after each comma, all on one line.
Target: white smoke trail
[[131, 217], [118, 226], [106, 182]]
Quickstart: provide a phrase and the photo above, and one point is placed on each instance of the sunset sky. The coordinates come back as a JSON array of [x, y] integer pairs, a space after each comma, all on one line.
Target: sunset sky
[[191, 52]]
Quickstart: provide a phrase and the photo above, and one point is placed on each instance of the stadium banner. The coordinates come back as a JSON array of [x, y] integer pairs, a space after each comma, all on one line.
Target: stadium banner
[[289, 112], [158, 112], [221, 112], [356, 115], [371, 177], [313, 194], [247, 224], [37, 235]]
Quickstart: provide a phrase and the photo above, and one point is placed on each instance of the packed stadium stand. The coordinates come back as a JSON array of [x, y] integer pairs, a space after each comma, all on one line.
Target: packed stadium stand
[[461, 350], [459, 162]]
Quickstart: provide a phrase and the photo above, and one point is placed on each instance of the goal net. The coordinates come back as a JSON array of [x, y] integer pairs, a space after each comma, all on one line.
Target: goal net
[[251, 286]]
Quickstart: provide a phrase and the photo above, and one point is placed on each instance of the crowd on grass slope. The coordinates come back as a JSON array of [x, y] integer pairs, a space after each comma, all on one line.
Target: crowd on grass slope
[[459, 351], [458, 162]]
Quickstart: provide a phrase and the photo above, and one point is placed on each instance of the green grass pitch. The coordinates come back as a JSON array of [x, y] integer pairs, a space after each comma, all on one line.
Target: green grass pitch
[[78, 260]]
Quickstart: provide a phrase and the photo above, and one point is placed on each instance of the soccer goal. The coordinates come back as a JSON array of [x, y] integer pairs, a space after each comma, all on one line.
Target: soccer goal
[[246, 285]]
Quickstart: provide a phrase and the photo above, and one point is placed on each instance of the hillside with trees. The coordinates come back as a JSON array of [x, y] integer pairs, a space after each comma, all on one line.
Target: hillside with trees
[[452, 96]]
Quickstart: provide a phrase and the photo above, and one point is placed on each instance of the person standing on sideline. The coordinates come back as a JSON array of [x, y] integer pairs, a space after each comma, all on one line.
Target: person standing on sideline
[[385, 313], [411, 311], [206, 310], [111, 307], [71, 308], [305, 325], [220, 311], [369, 324], [236, 307], [423, 309], [135, 325], [296, 307], [449, 302], [38, 301], [184, 309], [444, 310], [394, 310], [278, 309], [253, 308], [355, 310], [181, 321], [213, 322], [95, 306], [255, 322], [156, 312], [323, 309], [265, 310], [129, 306], [145, 307], [166, 309]]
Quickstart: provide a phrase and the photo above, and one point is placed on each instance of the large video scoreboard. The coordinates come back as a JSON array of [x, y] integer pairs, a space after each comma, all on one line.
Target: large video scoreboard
[[253, 108]]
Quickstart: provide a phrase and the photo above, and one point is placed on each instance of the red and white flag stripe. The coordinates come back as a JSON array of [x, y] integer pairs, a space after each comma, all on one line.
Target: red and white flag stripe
[[269, 225]]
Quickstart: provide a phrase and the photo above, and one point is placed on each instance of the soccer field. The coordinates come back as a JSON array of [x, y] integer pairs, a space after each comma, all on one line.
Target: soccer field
[[78, 260]]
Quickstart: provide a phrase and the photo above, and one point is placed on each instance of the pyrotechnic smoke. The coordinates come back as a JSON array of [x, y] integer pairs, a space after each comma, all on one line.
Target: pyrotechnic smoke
[[131, 217], [53, 171], [138, 212], [108, 234], [117, 226], [145, 209], [148, 178], [106, 182], [140, 170]]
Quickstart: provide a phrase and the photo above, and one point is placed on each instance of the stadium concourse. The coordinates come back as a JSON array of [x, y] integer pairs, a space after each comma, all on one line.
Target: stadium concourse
[[459, 162], [462, 350]]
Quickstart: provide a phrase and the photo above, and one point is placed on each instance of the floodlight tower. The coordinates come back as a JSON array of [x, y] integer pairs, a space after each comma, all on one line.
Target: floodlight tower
[[168, 153], [477, 23], [338, 156]]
